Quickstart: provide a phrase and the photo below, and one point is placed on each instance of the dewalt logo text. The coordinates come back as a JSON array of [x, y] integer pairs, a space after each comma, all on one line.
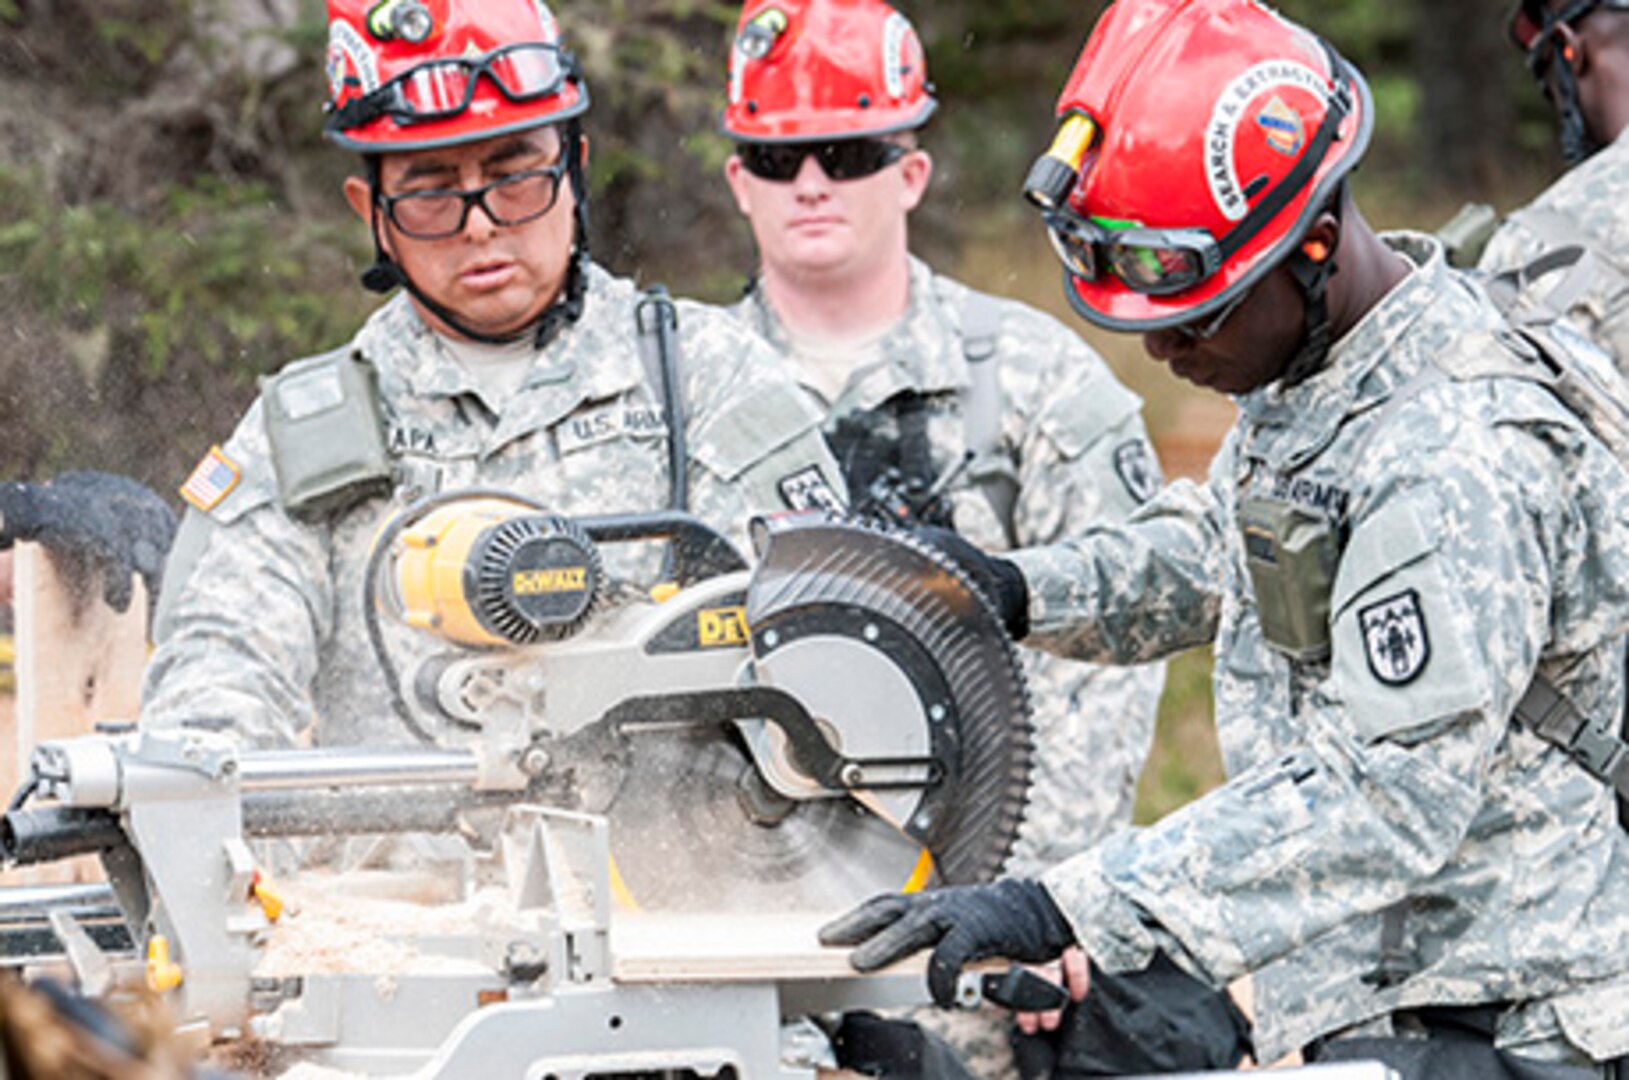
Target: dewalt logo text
[[721, 626], [553, 579]]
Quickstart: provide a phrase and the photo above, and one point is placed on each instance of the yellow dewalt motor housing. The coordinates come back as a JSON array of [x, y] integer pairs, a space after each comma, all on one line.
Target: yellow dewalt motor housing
[[490, 572]]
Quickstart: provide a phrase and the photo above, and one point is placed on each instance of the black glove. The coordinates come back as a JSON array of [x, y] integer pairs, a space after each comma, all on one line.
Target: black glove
[[98, 520], [1014, 918], [1152, 1022], [999, 579], [898, 1049]]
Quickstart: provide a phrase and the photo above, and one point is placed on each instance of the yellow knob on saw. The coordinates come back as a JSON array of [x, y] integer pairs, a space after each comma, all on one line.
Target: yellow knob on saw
[[162, 973]]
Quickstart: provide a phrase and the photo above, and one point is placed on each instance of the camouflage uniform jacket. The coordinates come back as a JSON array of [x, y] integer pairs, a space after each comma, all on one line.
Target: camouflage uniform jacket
[[1076, 438], [1486, 524], [264, 629], [1589, 206]]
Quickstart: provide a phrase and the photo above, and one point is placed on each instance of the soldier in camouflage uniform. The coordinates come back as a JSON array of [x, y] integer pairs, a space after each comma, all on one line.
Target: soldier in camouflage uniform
[[916, 372], [1578, 50], [1405, 533], [510, 361]]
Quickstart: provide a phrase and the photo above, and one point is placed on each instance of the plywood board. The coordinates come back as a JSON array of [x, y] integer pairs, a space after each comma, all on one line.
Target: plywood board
[[675, 947], [78, 662]]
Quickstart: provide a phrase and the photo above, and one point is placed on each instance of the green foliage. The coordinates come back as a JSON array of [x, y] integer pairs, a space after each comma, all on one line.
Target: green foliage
[[1185, 762], [219, 271], [152, 42]]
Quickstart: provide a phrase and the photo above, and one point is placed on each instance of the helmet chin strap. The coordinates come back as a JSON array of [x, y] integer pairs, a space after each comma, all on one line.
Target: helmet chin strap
[[386, 274], [1312, 275], [1577, 143]]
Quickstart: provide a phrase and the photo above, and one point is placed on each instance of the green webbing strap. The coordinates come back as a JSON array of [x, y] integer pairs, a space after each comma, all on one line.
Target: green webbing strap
[[991, 468], [1595, 746]]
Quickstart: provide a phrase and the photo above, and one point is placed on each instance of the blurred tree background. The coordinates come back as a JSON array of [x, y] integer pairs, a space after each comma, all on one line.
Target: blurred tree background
[[171, 225]]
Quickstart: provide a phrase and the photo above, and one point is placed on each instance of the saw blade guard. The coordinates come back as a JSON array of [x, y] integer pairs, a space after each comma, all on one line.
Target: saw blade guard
[[897, 654]]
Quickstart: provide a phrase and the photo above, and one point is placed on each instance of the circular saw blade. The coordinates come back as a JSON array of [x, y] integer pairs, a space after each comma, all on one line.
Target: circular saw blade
[[822, 575], [694, 829]]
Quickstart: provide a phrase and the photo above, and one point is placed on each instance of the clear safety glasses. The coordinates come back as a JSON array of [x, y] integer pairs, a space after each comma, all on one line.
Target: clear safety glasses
[[510, 200], [840, 159], [439, 89], [1157, 262]]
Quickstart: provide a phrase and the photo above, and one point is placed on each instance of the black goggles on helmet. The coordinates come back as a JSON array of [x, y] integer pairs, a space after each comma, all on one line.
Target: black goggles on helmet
[[1153, 261], [441, 89], [1163, 262], [840, 159]]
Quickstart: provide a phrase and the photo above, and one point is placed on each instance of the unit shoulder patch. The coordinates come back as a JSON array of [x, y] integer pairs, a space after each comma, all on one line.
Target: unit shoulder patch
[[212, 481], [1395, 641], [1134, 463], [808, 489]]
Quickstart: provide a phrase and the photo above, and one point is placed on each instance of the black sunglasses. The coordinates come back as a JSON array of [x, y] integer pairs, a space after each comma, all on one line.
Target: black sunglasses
[[840, 159]]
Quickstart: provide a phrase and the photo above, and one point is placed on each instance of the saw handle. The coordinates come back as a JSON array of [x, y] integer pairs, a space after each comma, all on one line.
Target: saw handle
[[1016, 988], [699, 550]]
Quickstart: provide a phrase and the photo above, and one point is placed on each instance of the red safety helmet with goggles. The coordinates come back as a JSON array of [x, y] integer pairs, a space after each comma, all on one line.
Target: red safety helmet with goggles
[[818, 70], [411, 75], [420, 74], [1165, 207]]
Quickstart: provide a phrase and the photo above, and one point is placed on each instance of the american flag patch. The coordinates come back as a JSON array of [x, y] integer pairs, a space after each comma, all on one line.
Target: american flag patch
[[213, 479]]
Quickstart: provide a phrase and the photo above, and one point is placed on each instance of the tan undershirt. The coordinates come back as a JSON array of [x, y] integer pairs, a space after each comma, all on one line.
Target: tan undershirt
[[498, 370], [825, 364]]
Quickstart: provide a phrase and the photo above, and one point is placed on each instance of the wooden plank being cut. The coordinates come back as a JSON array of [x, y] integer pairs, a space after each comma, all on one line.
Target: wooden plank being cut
[[673, 947], [78, 662]]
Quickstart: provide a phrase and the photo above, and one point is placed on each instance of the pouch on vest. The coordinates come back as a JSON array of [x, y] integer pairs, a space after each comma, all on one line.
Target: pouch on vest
[[1292, 556], [327, 440]]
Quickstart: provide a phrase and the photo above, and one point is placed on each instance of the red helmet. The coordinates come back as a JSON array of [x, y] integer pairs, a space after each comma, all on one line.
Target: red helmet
[[1206, 136], [417, 74], [822, 69]]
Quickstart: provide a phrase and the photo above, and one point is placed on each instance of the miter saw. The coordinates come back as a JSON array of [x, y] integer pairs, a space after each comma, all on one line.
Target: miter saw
[[844, 719]]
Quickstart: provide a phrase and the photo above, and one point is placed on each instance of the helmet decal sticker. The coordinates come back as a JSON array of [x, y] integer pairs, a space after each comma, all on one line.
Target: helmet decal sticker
[[1283, 127], [348, 52], [1228, 115], [896, 32]]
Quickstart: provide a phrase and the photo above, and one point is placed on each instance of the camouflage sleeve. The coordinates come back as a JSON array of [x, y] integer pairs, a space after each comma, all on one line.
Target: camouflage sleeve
[[248, 600], [1086, 459], [1441, 608], [1135, 591], [754, 437]]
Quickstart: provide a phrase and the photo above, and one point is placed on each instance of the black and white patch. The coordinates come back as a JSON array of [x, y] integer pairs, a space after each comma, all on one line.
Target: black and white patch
[[1135, 464], [808, 489], [1394, 638]]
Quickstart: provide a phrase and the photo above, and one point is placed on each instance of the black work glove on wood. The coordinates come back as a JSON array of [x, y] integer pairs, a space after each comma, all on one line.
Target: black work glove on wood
[[95, 519], [1014, 918]]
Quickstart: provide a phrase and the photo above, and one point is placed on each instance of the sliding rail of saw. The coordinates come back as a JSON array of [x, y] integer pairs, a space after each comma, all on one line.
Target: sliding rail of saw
[[535, 978]]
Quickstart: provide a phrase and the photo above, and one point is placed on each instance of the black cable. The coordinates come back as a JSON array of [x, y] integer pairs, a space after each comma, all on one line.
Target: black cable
[[24, 793]]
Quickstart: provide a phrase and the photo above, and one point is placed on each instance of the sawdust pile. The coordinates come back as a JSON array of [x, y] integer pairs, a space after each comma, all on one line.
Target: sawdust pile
[[337, 924]]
